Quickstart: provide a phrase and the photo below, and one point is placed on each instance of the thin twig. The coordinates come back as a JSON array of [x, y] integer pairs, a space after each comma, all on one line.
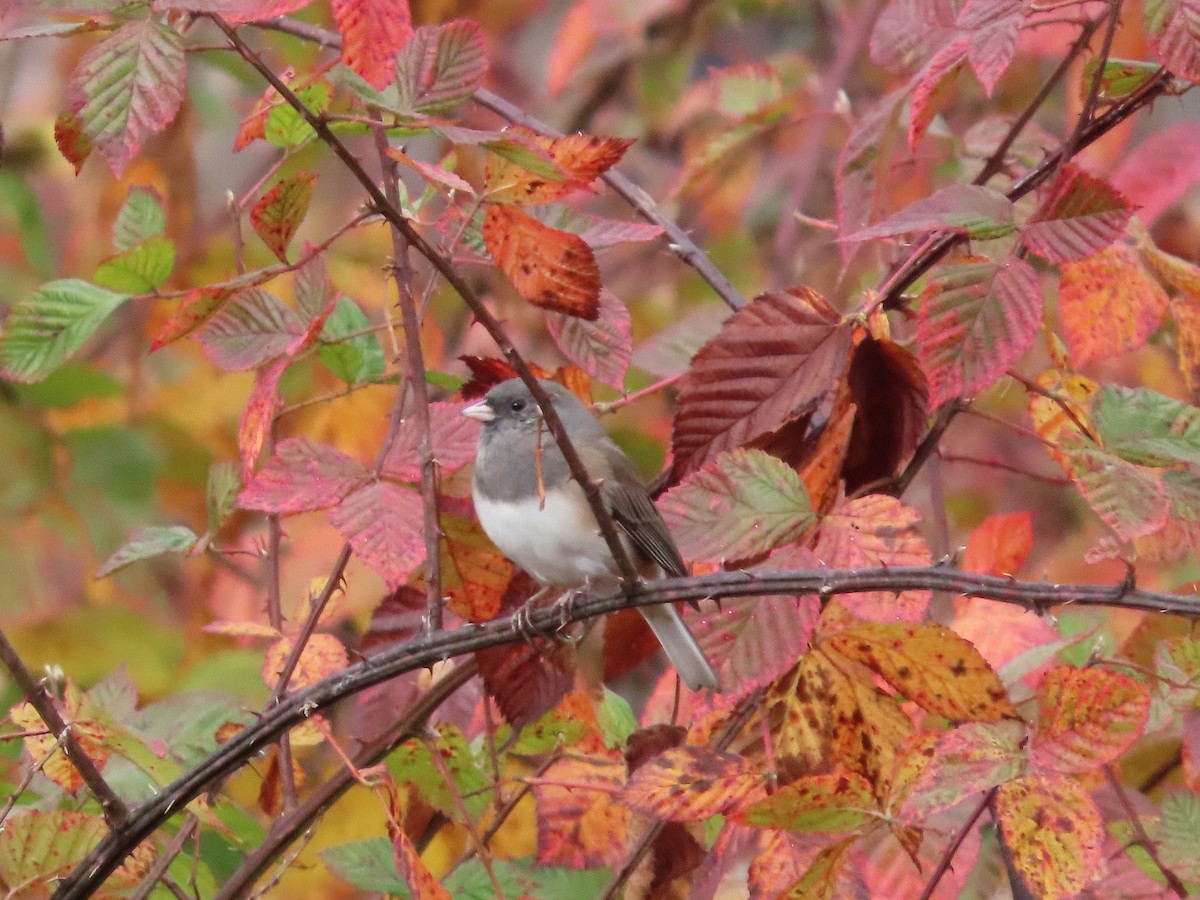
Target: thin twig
[[163, 860], [1143, 839], [952, 848]]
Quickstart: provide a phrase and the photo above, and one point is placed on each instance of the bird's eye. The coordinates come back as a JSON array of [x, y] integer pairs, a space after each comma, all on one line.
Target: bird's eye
[[518, 405]]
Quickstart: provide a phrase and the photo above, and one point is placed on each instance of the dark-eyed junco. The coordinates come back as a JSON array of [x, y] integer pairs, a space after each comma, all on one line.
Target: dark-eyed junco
[[558, 542]]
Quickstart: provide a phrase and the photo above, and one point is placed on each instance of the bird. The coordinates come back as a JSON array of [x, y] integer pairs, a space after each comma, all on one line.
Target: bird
[[537, 514]]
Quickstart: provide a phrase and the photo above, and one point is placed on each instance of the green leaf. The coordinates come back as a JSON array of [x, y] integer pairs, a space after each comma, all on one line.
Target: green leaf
[[141, 218], [740, 505], [616, 719], [356, 359], [142, 269], [149, 542], [51, 324], [1180, 835], [1131, 500], [1145, 427], [1121, 77], [72, 383], [836, 802], [22, 206], [368, 865], [286, 128], [221, 493], [411, 763], [129, 87], [36, 845]]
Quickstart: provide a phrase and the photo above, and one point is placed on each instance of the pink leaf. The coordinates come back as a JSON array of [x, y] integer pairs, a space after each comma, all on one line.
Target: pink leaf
[[235, 10], [260, 411], [978, 212], [1173, 27], [1161, 169], [601, 348], [129, 87], [373, 32], [1085, 216], [975, 320], [453, 435], [382, 522], [249, 330], [441, 67], [993, 26], [929, 84], [301, 476]]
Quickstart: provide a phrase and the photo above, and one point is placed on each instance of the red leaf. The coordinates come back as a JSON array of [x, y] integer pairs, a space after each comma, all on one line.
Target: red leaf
[[373, 32], [193, 311], [279, 212], [129, 87], [441, 67], [301, 476], [601, 348], [249, 330], [527, 680], [382, 522], [453, 437], [1173, 27], [550, 268], [235, 10], [908, 32], [581, 158], [71, 140], [1161, 169], [976, 318], [1084, 216], [999, 545], [993, 26], [260, 411], [782, 352], [931, 87], [969, 209], [1109, 303], [863, 167]]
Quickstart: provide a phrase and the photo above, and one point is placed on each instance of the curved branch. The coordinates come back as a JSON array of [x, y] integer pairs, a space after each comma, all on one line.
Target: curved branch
[[425, 650]]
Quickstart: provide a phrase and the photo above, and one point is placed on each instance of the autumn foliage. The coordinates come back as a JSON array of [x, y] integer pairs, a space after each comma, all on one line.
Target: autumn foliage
[[901, 301]]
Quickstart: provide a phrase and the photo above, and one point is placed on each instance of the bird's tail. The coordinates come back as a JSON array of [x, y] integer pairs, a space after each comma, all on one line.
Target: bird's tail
[[681, 647]]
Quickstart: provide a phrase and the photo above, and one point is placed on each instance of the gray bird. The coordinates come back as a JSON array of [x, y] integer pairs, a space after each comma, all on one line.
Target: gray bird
[[559, 543]]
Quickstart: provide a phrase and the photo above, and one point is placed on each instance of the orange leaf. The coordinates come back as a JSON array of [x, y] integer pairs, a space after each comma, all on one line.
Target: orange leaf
[[196, 308], [260, 411], [475, 574], [1186, 312], [581, 819], [414, 872], [322, 656], [1000, 631], [373, 32], [1086, 718], [999, 545], [582, 158], [836, 802], [1109, 303], [930, 665], [550, 268], [279, 212], [1054, 831], [88, 732], [692, 783]]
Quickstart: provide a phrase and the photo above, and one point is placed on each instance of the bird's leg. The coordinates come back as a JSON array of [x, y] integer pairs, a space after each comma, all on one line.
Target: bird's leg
[[521, 616]]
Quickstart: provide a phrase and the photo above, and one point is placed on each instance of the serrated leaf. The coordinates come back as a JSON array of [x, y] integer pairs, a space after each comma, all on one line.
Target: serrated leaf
[[601, 348], [930, 665], [453, 438], [441, 67], [1179, 834], [1145, 427], [129, 87], [356, 359], [1083, 215], [411, 764], [832, 803], [194, 310], [279, 212], [965, 760], [302, 475], [37, 845], [323, 655], [1173, 28], [1129, 499], [1054, 831], [551, 269], [1108, 303], [140, 269], [1120, 78], [976, 318], [367, 864], [140, 218], [993, 26], [738, 506], [235, 10], [382, 522], [978, 212], [250, 329], [582, 828], [577, 160], [373, 32], [286, 128], [149, 542], [782, 352], [687, 784], [259, 412], [1086, 719], [50, 325]]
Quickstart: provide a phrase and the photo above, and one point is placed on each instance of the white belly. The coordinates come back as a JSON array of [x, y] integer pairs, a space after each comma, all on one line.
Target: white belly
[[559, 544]]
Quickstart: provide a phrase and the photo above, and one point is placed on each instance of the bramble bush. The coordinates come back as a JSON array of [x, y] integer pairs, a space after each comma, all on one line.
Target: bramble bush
[[938, 480]]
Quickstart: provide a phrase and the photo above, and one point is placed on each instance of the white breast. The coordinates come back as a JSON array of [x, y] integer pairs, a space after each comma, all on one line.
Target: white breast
[[559, 544]]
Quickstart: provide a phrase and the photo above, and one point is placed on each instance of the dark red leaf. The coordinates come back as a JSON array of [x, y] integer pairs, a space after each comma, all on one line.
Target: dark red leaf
[[373, 32], [453, 437]]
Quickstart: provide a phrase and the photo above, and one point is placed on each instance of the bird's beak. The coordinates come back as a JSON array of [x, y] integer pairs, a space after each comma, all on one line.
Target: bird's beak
[[480, 411]]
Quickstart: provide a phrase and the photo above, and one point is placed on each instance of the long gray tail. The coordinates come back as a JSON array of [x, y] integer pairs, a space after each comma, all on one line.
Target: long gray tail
[[681, 647]]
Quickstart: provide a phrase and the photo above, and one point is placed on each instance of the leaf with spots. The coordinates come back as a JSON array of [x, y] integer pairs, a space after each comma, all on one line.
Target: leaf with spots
[[279, 212], [581, 158], [37, 846], [740, 505], [688, 784], [582, 821], [773, 359], [976, 318], [876, 530], [382, 522], [1086, 718], [834, 803], [1109, 303], [323, 655], [550, 268], [1054, 831], [474, 573], [961, 763], [930, 665], [420, 881], [92, 734]]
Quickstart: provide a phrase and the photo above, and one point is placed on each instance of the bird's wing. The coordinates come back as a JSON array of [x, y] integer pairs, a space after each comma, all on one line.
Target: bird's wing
[[631, 508]]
